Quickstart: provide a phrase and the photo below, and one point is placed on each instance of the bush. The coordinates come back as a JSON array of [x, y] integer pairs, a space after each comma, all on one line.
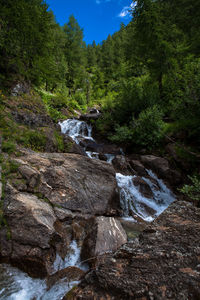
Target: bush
[[193, 190], [122, 134], [148, 129], [8, 146]]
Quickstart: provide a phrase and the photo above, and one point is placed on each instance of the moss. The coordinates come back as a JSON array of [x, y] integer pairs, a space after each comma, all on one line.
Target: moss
[[68, 147]]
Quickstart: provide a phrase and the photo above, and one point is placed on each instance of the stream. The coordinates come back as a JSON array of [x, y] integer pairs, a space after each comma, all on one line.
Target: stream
[[17, 285]]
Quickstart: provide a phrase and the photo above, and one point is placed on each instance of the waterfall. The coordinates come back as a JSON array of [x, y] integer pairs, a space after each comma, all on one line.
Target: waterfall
[[17, 285], [132, 200], [76, 129], [80, 130]]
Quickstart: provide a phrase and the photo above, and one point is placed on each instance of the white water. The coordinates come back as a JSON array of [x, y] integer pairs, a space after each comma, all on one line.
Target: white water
[[76, 129], [17, 285], [132, 200], [72, 259]]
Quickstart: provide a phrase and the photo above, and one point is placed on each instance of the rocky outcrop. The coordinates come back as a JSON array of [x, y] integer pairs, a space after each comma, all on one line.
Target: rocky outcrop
[[162, 263], [32, 119], [106, 235], [48, 202]]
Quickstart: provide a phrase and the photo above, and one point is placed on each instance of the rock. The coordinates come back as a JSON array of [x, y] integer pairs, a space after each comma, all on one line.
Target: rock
[[31, 224], [68, 274], [90, 116], [138, 167], [20, 88], [30, 174], [143, 187], [78, 183], [72, 147], [163, 263], [122, 166], [161, 167], [55, 203], [106, 235], [32, 119]]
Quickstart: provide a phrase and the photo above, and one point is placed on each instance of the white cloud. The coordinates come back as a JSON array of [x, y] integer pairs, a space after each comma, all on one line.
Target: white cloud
[[126, 11]]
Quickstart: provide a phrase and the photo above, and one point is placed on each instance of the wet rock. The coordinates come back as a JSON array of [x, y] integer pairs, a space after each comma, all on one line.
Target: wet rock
[[66, 275], [162, 263], [161, 167], [143, 187], [122, 166], [90, 116], [106, 235], [138, 167]]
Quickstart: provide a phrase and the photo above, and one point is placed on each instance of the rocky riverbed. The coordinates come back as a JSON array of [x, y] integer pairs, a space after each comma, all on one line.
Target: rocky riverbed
[[75, 220]]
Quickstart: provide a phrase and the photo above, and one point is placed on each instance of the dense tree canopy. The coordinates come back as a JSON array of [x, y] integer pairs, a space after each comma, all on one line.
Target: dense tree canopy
[[149, 69]]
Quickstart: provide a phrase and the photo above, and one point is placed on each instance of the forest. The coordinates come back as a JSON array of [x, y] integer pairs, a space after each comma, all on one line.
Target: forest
[[145, 78]]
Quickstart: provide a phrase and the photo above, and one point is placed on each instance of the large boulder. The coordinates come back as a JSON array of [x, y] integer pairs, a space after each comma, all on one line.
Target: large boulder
[[106, 234], [163, 263], [72, 181], [26, 239]]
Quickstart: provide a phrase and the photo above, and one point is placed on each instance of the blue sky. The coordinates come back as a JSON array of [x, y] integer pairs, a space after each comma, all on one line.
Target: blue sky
[[97, 18]]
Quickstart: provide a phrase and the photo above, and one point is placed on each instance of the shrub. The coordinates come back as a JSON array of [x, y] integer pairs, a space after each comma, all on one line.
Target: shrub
[[193, 190], [148, 129], [8, 146]]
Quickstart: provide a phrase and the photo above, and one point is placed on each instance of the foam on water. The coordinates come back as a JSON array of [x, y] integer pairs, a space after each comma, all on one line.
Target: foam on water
[[72, 258], [81, 130], [75, 129], [132, 199], [17, 285]]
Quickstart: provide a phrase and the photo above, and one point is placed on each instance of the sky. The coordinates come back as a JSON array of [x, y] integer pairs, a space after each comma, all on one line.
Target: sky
[[97, 18]]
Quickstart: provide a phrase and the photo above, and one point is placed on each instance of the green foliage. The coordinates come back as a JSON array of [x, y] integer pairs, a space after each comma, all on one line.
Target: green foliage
[[148, 128], [193, 190], [123, 135], [8, 146], [60, 142], [35, 140]]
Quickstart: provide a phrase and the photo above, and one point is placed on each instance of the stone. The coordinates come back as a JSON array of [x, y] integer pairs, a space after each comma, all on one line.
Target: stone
[[106, 235], [161, 167], [31, 224], [122, 166], [138, 167], [67, 275], [143, 187], [72, 147], [161, 263]]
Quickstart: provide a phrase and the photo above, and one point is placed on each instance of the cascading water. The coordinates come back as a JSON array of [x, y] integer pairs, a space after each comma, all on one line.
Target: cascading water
[[76, 129], [130, 197], [17, 285], [133, 201], [79, 130]]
